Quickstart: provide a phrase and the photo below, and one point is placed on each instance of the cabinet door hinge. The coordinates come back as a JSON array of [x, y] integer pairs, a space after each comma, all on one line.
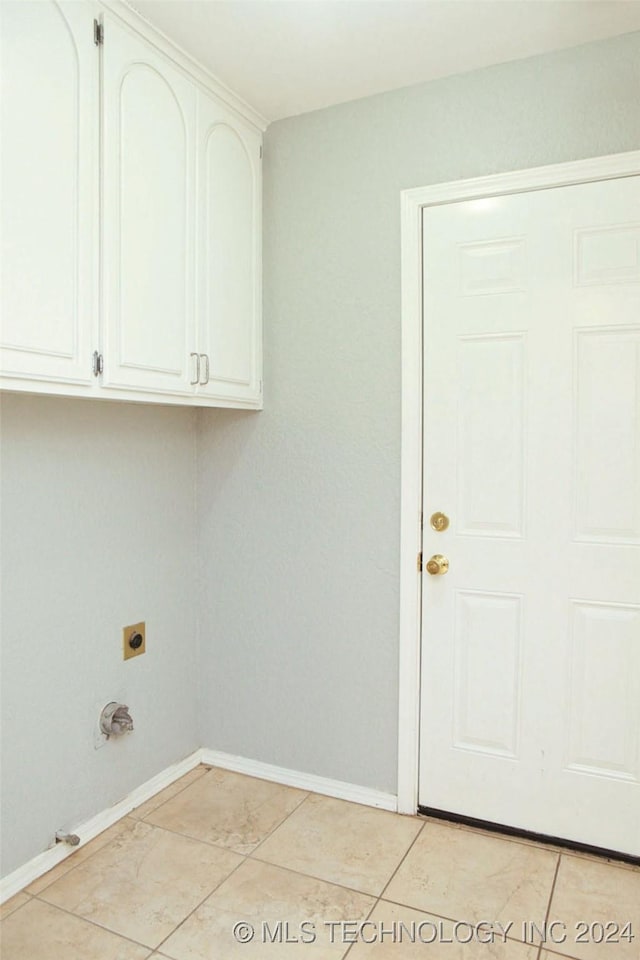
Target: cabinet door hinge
[[261, 153], [419, 562], [98, 33], [98, 363]]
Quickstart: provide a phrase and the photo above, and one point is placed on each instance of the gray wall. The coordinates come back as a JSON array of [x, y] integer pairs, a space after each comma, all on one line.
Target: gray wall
[[98, 531], [299, 506]]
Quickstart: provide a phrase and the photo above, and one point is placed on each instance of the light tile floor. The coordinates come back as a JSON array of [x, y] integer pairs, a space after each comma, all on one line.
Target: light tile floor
[[216, 849]]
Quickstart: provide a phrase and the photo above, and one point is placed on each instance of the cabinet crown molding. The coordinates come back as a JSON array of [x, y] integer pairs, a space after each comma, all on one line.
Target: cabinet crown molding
[[128, 13]]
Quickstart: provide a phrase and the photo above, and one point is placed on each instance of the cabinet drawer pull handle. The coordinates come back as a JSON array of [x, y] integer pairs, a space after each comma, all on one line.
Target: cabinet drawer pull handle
[[197, 379], [205, 357]]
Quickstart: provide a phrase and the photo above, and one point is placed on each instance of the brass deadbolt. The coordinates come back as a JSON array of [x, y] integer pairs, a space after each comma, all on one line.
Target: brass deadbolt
[[437, 565], [439, 521]]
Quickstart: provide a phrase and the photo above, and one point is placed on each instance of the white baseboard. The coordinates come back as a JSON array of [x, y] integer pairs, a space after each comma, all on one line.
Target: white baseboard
[[303, 781], [15, 882], [40, 864]]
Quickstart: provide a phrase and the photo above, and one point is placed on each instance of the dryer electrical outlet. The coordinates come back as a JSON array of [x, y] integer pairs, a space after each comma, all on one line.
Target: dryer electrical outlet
[[134, 641]]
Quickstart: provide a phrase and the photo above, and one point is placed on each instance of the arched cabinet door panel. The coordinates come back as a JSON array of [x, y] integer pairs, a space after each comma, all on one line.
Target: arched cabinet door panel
[[148, 183], [228, 260], [48, 193]]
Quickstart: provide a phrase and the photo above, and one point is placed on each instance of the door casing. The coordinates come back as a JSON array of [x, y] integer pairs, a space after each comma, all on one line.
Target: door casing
[[412, 204]]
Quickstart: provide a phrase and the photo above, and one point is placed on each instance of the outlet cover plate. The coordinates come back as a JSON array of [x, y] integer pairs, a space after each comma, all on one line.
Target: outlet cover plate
[[131, 631]]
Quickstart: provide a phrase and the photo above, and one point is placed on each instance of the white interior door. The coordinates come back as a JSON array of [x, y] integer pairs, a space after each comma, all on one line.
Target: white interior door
[[530, 686]]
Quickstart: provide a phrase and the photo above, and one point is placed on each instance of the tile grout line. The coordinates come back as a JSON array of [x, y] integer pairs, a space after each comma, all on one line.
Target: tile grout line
[[174, 833], [250, 856], [407, 852], [116, 933], [123, 936], [253, 855], [85, 859], [185, 836], [134, 821], [204, 899], [169, 799], [377, 900], [123, 821], [441, 916], [282, 822], [301, 873], [244, 859], [379, 897], [557, 956], [543, 946], [310, 876], [453, 919], [177, 833], [368, 916], [94, 923], [219, 846], [553, 888], [20, 893]]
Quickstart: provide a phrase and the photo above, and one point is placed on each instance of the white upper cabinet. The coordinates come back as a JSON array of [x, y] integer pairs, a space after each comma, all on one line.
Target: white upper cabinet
[[148, 233], [49, 196], [131, 214], [228, 253]]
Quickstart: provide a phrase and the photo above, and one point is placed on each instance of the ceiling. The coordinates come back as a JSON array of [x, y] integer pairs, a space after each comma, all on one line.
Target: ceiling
[[286, 57]]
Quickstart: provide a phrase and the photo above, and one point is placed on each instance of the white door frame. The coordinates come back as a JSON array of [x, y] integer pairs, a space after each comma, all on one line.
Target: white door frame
[[412, 203]]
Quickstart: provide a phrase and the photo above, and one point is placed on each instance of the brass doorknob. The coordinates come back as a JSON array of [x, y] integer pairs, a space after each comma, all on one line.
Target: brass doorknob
[[437, 565]]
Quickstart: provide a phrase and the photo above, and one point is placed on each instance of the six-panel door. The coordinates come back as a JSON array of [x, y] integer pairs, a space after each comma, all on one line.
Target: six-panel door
[[530, 703], [49, 195], [148, 225]]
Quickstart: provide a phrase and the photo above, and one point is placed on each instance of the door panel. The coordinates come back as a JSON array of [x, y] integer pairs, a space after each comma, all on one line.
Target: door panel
[[530, 705], [149, 115], [49, 206], [488, 628], [604, 701], [490, 425], [607, 467]]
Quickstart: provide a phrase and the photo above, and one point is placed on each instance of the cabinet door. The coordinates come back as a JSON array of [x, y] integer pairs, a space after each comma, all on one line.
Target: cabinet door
[[148, 183], [49, 192], [229, 243]]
